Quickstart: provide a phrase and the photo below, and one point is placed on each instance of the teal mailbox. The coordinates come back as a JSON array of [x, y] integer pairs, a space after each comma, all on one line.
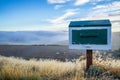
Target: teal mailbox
[[90, 35]]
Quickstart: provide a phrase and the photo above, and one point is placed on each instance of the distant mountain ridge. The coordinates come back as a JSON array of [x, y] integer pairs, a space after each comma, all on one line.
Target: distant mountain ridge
[[44, 37]]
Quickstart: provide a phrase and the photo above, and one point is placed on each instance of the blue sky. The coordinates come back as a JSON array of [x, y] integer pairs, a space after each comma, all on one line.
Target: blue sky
[[55, 15]]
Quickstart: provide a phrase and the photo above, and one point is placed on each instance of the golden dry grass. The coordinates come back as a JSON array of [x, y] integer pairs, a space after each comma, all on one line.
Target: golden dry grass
[[109, 65], [14, 69], [19, 69]]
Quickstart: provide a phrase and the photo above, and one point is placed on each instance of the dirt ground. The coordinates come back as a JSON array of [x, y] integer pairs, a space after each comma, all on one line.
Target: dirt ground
[[40, 51]]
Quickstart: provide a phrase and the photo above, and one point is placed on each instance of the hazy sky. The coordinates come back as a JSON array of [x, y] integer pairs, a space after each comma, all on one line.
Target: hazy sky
[[55, 15]]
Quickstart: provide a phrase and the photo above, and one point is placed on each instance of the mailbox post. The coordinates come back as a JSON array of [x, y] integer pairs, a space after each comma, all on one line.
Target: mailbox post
[[89, 59], [90, 35]]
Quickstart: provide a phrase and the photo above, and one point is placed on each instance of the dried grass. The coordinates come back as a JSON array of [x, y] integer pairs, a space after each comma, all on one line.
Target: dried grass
[[19, 69]]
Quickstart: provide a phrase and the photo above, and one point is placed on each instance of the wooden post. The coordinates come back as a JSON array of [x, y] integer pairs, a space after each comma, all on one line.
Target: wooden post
[[89, 59]]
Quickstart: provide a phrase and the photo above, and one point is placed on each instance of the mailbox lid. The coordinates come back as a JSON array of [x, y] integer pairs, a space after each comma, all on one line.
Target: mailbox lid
[[90, 36], [90, 23]]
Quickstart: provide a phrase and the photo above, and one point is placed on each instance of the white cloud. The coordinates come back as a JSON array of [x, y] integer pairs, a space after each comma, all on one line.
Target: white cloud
[[97, 0], [58, 7], [57, 1], [94, 2], [61, 19], [99, 7], [62, 22], [109, 11], [81, 2]]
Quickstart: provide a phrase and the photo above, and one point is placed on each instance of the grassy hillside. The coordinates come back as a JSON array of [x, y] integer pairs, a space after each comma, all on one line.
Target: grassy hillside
[[19, 69]]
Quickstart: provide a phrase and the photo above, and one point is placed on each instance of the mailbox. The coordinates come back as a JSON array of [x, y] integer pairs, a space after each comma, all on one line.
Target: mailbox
[[90, 35]]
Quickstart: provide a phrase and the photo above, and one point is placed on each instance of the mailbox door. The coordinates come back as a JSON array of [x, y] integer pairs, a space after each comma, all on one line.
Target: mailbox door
[[89, 36]]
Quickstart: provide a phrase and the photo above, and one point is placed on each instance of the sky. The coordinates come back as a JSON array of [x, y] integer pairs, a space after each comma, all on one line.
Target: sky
[[55, 15]]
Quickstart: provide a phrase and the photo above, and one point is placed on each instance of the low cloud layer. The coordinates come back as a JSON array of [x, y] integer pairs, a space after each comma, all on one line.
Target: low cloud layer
[[33, 37]]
